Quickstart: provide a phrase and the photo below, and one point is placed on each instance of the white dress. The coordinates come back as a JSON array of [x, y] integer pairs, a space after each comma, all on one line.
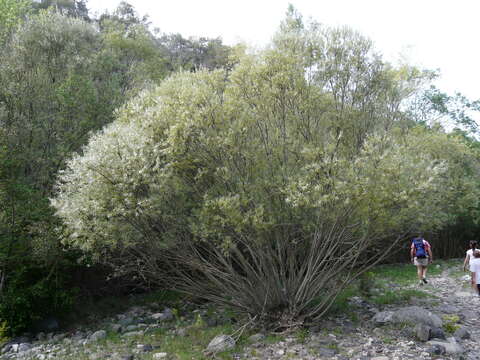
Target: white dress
[[470, 258]]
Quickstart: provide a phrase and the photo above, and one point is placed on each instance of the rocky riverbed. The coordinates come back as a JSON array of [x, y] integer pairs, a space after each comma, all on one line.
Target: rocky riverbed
[[444, 325]]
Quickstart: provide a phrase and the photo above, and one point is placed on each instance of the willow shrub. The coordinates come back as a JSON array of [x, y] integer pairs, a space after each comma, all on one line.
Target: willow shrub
[[277, 182]]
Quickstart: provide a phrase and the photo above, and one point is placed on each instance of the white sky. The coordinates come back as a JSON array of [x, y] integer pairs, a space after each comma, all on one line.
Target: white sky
[[435, 34]]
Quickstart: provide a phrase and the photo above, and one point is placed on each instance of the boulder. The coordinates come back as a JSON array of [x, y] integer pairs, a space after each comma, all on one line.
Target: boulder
[[256, 337], [437, 333], [219, 344], [451, 346], [462, 333], [97, 335], [422, 332], [383, 317], [416, 315]]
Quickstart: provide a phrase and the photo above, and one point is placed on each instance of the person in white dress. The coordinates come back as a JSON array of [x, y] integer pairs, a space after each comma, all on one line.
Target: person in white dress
[[475, 269], [468, 259]]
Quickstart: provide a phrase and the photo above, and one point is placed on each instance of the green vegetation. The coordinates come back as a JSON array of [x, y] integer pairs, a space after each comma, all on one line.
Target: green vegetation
[[263, 181], [451, 323]]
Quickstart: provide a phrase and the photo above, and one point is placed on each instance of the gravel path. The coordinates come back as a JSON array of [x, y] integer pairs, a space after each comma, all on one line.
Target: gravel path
[[357, 334]]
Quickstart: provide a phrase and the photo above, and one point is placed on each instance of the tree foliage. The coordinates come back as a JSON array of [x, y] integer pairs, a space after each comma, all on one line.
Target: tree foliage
[[305, 145]]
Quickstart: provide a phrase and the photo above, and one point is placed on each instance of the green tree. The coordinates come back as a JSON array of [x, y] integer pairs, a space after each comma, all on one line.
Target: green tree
[[276, 182], [12, 12]]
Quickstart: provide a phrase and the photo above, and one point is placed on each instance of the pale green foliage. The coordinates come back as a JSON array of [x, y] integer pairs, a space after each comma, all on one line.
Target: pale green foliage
[[214, 155], [275, 183], [11, 14]]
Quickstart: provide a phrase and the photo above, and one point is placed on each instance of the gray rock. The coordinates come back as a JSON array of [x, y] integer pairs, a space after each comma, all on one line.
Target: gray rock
[[7, 348], [220, 343], [24, 347], [59, 337], [416, 315], [181, 332], [160, 355], [383, 317], [447, 309], [126, 357], [422, 332], [116, 328], [326, 352], [451, 346], [469, 315], [130, 328], [462, 333], [437, 333], [166, 315], [97, 335], [256, 337], [147, 348], [437, 349]]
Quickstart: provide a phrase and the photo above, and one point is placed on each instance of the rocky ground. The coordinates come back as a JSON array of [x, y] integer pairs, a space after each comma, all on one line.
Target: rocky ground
[[443, 325]]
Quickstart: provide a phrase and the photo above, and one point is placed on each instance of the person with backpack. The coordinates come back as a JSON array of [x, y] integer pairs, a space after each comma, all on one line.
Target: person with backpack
[[468, 261], [421, 256]]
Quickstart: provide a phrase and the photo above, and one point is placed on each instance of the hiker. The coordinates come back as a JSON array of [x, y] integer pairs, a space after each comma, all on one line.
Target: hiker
[[467, 261], [421, 256], [475, 269]]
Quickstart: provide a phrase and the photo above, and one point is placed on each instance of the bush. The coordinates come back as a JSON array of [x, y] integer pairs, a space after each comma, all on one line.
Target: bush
[[270, 187], [31, 296]]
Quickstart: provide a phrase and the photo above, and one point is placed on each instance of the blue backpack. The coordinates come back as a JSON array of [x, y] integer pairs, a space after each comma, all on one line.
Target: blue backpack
[[420, 251]]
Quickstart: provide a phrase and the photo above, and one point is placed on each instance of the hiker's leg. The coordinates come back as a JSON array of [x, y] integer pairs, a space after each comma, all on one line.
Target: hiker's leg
[[419, 272], [424, 272]]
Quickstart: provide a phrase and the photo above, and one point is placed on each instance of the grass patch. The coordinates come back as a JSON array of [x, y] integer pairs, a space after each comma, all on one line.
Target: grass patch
[[341, 304], [398, 296]]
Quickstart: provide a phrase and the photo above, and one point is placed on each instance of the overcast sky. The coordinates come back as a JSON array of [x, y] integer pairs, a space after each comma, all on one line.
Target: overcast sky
[[435, 34]]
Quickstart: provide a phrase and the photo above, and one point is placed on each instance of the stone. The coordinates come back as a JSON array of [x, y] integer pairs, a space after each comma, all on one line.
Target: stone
[[166, 315], [451, 347], [326, 352], [415, 315], [462, 333], [147, 348], [383, 317], [447, 309], [220, 343], [24, 347], [126, 357], [469, 315], [437, 333], [437, 349], [422, 332], [6, 348], [98, 335], [256, 337], [130, 328], [160, 355], [380, 358]]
